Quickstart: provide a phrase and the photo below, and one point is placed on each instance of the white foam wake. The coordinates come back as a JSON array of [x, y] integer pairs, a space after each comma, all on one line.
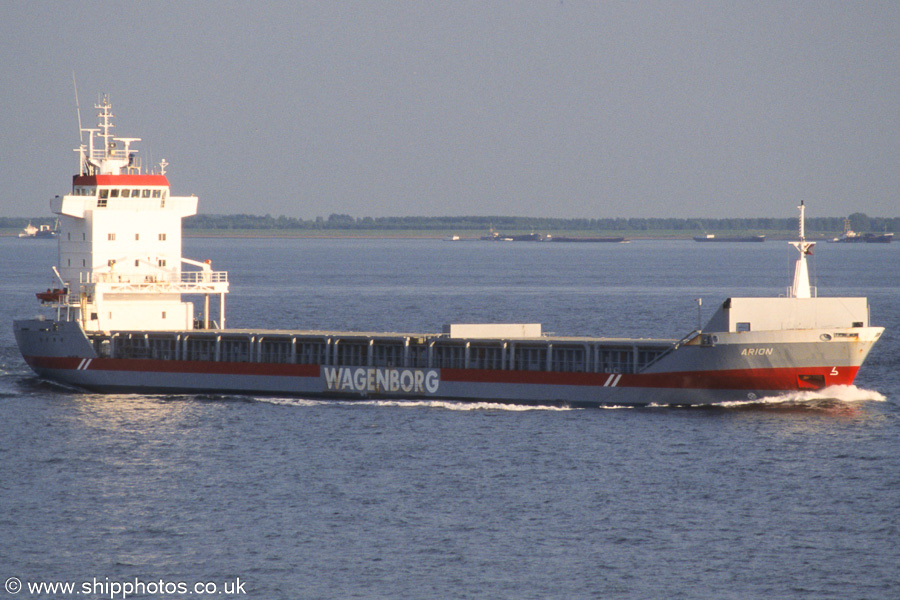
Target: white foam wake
[[841, 393], [836, 393], [444, 404]]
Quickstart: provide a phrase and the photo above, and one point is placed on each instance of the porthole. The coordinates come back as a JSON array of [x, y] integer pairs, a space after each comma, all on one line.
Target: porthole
[[825, 337]]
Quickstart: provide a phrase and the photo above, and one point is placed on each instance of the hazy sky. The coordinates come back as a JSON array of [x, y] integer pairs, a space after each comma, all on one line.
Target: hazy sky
[[558, 109]]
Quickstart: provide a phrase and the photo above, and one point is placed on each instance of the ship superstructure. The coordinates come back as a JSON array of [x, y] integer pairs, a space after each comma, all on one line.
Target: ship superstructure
[[120, 263], [120, 325]]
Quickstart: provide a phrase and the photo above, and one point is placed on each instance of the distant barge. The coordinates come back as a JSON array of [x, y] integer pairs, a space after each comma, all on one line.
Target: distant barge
[[589, 239], [741, 238]]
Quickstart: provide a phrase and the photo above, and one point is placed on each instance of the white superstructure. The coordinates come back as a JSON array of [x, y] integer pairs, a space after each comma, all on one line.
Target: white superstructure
[[120, 262]]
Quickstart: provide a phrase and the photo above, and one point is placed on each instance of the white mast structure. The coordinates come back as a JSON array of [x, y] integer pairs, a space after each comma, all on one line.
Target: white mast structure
[[120, 262], [801, 287]]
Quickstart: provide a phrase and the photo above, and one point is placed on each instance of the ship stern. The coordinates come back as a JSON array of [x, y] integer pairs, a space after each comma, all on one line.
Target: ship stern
[[52, 347]]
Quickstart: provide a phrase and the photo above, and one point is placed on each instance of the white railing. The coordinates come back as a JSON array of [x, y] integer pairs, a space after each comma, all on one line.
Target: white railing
[[204, 276], [187, 277]]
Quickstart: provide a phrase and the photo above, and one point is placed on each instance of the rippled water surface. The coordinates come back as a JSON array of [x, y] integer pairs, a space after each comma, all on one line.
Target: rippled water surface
[[792, 498]]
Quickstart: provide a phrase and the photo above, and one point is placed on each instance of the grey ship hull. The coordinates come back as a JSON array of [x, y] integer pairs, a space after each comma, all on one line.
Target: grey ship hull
[[574, 371]]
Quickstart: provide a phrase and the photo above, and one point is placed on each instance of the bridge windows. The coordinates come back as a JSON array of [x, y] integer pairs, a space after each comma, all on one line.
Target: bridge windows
[[107, 193]]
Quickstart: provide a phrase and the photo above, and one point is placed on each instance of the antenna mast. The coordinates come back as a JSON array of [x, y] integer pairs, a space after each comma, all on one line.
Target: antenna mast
[[77, 110], [82, 161]]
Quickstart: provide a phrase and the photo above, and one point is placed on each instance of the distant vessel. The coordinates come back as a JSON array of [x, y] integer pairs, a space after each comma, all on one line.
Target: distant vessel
[[528, 237], [117, 323], [44, 232], [851, 237], [495, 236], [589, 239], [741, 238]]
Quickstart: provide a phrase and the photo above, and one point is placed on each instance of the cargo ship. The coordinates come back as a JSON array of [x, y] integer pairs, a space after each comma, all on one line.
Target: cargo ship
[[130, 314]]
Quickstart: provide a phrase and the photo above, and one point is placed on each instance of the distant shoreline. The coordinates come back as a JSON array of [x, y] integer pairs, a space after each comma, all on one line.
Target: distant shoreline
[[475, 227], [338, 234], [337, 226]]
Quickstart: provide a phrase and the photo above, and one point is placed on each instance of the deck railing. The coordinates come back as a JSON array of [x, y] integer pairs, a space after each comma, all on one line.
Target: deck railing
[[188, 277], [432, 352]]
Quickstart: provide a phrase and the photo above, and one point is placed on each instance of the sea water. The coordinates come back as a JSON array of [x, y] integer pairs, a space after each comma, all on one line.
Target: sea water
[[150, 497]]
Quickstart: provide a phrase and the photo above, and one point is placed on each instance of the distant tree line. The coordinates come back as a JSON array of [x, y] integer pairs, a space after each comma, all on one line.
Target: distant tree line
[[858, 222]]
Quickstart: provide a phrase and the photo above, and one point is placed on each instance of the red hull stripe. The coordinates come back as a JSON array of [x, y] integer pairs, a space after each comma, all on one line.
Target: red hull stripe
[[120, 180], [752, 379], [726, 379]]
